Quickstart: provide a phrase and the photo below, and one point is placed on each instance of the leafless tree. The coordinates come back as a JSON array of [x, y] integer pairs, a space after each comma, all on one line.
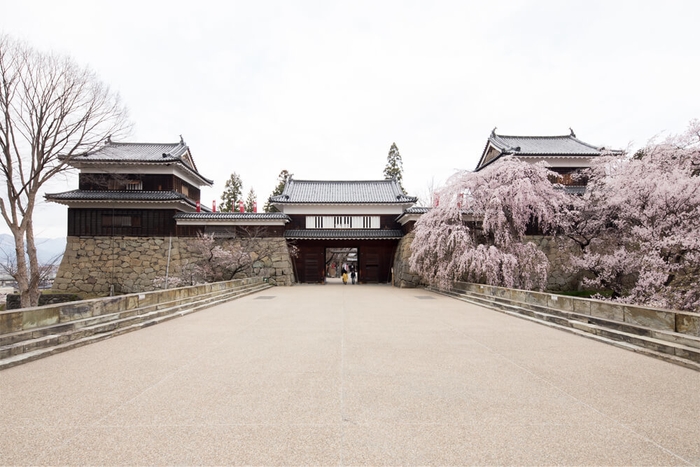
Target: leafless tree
[[426, 198], [47, 269], [51, 110]]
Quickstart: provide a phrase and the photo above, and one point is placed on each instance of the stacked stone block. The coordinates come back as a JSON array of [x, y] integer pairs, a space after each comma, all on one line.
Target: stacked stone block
[[558, 251], [91, 265], [403, 276]]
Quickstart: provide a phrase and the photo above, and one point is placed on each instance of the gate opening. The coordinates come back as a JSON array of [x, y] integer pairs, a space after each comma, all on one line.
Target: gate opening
[[339, 260], [319, 262]]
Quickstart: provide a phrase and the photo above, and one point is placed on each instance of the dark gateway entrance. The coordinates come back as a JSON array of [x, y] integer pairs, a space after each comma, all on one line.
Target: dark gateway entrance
[[337, 258], [374, 259], [328, 214]]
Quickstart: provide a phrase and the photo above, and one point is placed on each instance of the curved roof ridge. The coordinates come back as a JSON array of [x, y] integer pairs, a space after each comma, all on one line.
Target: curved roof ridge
[[548, 137], [531, 136], [77, 196], [536, 145], [587, 144], [115, 143], [345, 181], [383, 191], [221, 215], [144, 153]]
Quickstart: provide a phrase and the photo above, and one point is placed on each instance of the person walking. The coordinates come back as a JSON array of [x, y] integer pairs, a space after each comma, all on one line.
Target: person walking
[[345, 276], [352, 276]]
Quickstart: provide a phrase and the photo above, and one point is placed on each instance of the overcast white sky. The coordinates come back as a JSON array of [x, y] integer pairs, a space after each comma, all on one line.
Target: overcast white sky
[[323, 88]]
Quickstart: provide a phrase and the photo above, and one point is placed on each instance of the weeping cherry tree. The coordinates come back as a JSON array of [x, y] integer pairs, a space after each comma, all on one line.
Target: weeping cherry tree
[[476, 232], [639, 224]]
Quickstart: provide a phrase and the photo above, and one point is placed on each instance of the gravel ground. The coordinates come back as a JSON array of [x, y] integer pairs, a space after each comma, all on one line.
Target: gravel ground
[[349, 375]]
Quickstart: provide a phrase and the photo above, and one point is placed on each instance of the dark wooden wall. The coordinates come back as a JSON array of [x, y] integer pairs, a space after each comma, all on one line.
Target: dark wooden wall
[[114, 182], [375, 259], [153, 223], [408, 227], [128, 222]]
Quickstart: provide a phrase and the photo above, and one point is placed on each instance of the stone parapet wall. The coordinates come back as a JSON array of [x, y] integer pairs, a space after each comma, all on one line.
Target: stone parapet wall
[[656, 318], [91, 265], [14, 301], [41, 316]]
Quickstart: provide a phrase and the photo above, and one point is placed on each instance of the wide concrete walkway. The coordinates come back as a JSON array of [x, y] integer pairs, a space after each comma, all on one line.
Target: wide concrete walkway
[[349, 375]]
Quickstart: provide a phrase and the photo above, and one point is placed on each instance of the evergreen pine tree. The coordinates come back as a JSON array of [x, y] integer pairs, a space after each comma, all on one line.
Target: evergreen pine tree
[[250, 200], [394, 166], [282, 179], [233, 191]]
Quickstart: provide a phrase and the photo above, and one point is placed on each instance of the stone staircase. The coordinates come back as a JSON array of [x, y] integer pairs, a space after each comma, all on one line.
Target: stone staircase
[[38, 342], [674, 347]]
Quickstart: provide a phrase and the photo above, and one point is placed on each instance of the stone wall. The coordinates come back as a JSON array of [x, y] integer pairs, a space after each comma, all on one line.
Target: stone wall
[[270, 259], [558, 251], [403, 276], [91, 265]]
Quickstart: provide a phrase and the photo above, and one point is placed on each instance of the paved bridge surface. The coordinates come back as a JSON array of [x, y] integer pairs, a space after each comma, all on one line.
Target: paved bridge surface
[[349, 375]]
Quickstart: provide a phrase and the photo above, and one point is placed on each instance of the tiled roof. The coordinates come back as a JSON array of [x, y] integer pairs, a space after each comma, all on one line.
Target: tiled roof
[[343, 234], [417, 210], [564, 146], [413, 212], [574, 190], [226, 216], [343, 192], [539, 145], [144, 153], [127, 196]]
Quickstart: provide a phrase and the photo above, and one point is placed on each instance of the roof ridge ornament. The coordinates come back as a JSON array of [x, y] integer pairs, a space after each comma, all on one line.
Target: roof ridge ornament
[[493, 132], [572, 132], [182, 141]]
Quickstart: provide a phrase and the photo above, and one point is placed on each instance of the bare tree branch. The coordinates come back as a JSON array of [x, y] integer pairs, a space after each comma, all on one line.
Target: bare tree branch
[[51, 110]]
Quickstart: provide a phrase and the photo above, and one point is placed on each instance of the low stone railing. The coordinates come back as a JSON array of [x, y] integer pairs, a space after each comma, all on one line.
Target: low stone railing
[[36, 317], [656, 318]]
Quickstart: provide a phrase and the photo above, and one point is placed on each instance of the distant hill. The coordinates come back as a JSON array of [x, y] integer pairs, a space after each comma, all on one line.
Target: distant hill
[[48, 249]]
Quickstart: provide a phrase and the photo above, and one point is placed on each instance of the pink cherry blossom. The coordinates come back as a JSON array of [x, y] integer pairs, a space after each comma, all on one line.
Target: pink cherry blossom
[[477, 232], [638, 224]]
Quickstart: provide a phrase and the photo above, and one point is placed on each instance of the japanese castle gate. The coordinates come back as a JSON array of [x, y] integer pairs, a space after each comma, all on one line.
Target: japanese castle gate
[[366, 215], [147, 192]]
